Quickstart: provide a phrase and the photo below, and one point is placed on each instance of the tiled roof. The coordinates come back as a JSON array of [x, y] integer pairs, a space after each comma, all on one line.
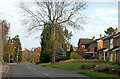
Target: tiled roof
[[112, 36], [97, 40], [85, 40], [114, 48], [101, 49]]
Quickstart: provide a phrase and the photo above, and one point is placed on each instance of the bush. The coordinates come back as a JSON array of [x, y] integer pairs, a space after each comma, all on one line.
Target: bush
[[103, 68], [75, 55], [87, 67], [87, 56], [83, 67]]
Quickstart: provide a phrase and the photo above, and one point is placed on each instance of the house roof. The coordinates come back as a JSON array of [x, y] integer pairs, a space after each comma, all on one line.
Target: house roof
[[85, 41], [117, 35], [115, 48], [97, 40], [112, 36], [102, 49]]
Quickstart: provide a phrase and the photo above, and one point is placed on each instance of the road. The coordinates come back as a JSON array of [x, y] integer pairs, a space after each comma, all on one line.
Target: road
[[32, 71]]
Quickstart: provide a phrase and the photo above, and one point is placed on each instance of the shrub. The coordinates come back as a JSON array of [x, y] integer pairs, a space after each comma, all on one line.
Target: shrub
[[75, 55], [103, 68], [87, 56], [83, 67], [87, 67]]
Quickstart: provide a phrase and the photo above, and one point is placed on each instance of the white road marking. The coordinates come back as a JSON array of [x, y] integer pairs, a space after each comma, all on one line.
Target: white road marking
[[43, 73]]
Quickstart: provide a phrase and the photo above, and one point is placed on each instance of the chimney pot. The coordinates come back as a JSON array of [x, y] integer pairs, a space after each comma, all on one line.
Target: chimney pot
[[116, 31], [100, 35], [93, 37], [112, 33]]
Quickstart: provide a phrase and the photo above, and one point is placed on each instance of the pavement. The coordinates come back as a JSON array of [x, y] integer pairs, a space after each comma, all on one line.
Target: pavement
[[32, 71], [4, 69]]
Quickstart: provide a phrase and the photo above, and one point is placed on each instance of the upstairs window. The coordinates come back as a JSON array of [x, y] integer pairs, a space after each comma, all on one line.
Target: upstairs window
[[92, 45], [119, 40], [95, 44], [106, 41], [111, 43]]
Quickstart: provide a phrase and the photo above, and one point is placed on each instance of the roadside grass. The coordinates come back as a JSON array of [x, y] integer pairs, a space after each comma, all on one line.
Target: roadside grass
[[99, 75], [68, 66], [44, 64], [75, 66], [78, 66]]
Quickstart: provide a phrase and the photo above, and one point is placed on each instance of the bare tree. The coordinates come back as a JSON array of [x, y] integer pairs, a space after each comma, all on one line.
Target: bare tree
[[38, 15], [4, 29]]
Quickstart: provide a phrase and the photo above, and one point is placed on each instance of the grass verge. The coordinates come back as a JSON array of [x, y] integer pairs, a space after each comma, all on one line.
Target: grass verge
[[99, 75], [68, 66]]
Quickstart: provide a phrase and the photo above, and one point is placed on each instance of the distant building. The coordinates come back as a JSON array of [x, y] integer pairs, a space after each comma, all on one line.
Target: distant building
[[83, 45], [74, 49]]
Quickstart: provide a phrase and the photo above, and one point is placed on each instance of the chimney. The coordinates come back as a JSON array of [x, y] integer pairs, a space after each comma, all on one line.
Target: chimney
[[93, 37], [116, 30], [100, 35], [112, 33]]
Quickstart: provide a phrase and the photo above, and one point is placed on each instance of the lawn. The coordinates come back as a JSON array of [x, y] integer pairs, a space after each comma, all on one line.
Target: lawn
[[78, 65], [75, 66], [68, 66], [99, 75]]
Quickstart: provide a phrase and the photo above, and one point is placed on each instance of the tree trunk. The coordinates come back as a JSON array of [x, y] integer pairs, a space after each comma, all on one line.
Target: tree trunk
[[9, 58], [53, 43]]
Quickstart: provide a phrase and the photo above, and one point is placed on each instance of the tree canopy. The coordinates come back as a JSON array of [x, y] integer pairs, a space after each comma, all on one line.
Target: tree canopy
[[109, 31], [52, 14], [60, 43]]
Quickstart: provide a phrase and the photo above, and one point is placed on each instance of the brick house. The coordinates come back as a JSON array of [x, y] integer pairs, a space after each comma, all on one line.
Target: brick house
[[111, 48], [83, 45], [96, 45]]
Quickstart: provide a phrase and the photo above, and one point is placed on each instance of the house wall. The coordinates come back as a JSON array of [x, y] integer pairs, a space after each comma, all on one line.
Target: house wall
[[82, 49], [118, 42], [107, 46], [91, 48], [115, 42], [118, 53], [100, 45], [118, 56]]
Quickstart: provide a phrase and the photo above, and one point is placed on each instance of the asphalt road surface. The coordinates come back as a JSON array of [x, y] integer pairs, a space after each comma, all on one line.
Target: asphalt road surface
[[32, 71]]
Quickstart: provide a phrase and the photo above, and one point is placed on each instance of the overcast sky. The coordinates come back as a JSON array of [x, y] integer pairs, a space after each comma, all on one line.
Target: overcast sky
[[100, 16]]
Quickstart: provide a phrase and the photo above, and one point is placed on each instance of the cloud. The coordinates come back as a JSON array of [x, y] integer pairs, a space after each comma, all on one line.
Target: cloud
[[98, 21]]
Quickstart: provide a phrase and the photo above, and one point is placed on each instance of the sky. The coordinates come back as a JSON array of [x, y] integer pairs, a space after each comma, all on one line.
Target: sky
[[99, 17]]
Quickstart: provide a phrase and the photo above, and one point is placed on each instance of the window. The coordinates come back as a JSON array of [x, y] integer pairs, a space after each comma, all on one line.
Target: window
[[106, 42], [111, 43], [92, 45], [95, 44], [119, 40]]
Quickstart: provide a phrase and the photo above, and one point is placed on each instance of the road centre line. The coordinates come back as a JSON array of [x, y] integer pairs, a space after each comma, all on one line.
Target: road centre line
[[43, 73]]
